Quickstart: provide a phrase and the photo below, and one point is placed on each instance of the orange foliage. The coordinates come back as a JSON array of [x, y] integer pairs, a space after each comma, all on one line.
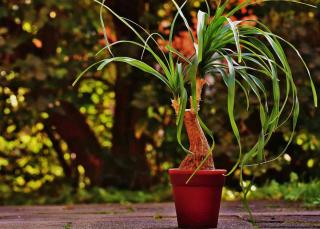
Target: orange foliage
[[110, 34], [182, 41]]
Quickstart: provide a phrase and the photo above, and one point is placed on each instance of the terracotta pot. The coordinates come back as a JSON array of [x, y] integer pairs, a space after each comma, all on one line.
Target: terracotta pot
[[198, 202]]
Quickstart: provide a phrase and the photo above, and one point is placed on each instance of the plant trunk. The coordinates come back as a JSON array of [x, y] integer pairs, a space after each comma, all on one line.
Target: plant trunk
[[199, 145]]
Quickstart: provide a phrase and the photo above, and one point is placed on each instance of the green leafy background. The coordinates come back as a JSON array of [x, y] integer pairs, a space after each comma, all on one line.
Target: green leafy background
[[115, 131]]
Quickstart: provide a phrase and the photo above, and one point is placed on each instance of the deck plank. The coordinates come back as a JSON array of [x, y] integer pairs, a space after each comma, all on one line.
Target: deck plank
[[153, 215]]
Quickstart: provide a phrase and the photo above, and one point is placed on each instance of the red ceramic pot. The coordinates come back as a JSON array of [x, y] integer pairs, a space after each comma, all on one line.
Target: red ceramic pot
[[198, 202]]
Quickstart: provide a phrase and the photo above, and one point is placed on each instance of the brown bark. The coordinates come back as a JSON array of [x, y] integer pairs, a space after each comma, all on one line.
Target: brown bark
[[71, 126], [56, 145], [130, 169], [199, 145]]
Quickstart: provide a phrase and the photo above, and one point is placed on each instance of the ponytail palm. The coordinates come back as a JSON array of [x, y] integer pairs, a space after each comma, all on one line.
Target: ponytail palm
[[243, 55]]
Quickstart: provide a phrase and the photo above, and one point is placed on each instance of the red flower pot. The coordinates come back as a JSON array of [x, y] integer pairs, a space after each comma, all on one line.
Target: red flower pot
[[198, 202]]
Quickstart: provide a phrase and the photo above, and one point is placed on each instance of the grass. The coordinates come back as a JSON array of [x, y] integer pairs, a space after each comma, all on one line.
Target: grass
[[67, 226]]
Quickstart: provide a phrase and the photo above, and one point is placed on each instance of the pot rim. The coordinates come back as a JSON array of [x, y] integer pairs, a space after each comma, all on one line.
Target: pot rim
[[200, 172]]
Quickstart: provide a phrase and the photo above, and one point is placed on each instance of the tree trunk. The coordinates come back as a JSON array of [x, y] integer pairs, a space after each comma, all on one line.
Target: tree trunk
[[71, 126], [131, 169], [198, 144]]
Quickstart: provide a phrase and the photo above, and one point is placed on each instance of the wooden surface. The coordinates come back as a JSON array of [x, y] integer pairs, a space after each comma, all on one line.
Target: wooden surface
[[154, 215]]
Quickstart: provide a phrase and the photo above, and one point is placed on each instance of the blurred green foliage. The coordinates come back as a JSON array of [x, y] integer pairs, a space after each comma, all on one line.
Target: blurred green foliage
[[293, 190], [49, 130]]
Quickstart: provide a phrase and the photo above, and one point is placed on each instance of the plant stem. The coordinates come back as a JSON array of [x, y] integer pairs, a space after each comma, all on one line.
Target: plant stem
[[199, 145]]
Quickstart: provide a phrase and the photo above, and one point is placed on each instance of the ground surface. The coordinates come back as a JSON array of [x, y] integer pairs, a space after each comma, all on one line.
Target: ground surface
[[232, 215]]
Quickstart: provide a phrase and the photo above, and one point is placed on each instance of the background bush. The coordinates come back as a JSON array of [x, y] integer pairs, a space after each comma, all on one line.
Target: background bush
[[116, 128]]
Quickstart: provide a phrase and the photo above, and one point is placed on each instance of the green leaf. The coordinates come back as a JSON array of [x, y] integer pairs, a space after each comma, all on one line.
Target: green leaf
[[184, 20], [135, 63], [171, 36], [179, 54], [236, 37], [201, 27], [231, 95], [182, 107], [85, 71], [104, 29]]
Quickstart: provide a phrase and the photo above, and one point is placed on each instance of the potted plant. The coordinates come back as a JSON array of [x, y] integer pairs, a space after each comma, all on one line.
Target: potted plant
[[246, 54]]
